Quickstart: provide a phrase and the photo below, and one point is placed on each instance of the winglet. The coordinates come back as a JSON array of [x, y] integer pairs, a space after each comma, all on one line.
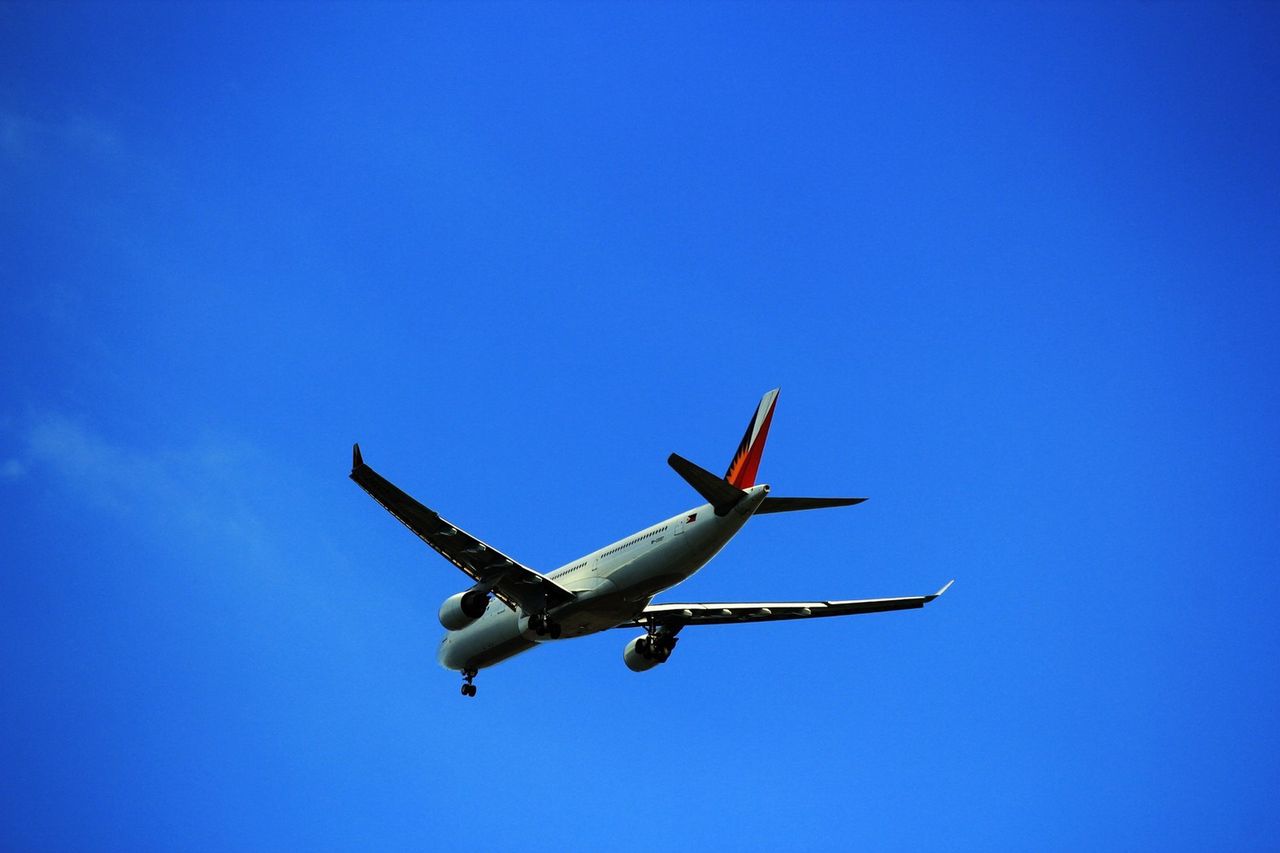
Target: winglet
[[356, 459], [946, 587]]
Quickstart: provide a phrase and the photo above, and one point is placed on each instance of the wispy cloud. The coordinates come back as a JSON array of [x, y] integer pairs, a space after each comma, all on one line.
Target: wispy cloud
[[26, 138], [17, 135], [196, 489]]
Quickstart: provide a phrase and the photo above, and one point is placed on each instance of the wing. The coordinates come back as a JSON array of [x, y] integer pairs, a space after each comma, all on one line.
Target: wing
[[514, 584], [676, 616]]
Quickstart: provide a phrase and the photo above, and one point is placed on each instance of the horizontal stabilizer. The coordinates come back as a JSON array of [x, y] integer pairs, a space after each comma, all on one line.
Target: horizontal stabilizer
[[718, 492], [796, 504]]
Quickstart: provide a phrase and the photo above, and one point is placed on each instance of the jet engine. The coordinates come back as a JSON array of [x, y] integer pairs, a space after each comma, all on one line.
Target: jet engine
[[459, 611], [646, 652]]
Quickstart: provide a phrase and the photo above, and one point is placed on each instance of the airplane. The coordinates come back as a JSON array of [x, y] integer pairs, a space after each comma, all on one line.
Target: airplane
[[511, 608]]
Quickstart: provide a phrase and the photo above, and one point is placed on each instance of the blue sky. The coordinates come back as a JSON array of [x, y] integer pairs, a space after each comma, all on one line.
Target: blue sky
[[1014, 266]]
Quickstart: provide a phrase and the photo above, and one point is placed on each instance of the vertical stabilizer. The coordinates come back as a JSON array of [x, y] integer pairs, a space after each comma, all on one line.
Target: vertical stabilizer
[[742, 471]]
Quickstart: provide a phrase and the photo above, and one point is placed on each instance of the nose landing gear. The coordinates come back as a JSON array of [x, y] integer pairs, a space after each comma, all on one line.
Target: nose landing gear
[[468, 689]]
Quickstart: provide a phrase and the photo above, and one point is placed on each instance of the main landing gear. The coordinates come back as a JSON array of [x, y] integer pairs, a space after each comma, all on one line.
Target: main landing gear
[[468, 689], [543, 626], [656, 647]]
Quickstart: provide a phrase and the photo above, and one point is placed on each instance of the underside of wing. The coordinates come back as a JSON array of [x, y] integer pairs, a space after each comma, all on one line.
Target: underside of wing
[[513, 583], [676, 616]]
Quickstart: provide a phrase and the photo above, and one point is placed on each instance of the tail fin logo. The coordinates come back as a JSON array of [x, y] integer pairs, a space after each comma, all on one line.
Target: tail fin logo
[[746, 461]]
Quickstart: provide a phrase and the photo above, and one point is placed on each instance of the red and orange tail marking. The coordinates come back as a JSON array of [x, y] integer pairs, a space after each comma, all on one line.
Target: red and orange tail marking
[[742, 471]]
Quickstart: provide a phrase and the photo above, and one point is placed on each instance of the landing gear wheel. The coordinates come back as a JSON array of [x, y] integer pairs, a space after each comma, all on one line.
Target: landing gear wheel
[[656, 647], [468, 689], [541, 624]]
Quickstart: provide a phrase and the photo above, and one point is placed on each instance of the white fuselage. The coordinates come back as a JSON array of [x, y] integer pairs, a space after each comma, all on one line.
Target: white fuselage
[[613, 585]]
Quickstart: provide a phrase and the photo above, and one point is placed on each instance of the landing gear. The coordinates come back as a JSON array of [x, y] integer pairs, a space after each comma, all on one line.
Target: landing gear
[[468, 689], [543, 626], [656, 647]]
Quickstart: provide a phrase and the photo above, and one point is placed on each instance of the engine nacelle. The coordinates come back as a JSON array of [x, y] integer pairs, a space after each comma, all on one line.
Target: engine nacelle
[[459, 611], [646, 652]]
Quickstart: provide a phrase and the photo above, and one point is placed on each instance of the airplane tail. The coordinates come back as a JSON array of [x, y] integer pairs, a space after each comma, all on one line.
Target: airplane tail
[[724, 494], [746, 461]]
